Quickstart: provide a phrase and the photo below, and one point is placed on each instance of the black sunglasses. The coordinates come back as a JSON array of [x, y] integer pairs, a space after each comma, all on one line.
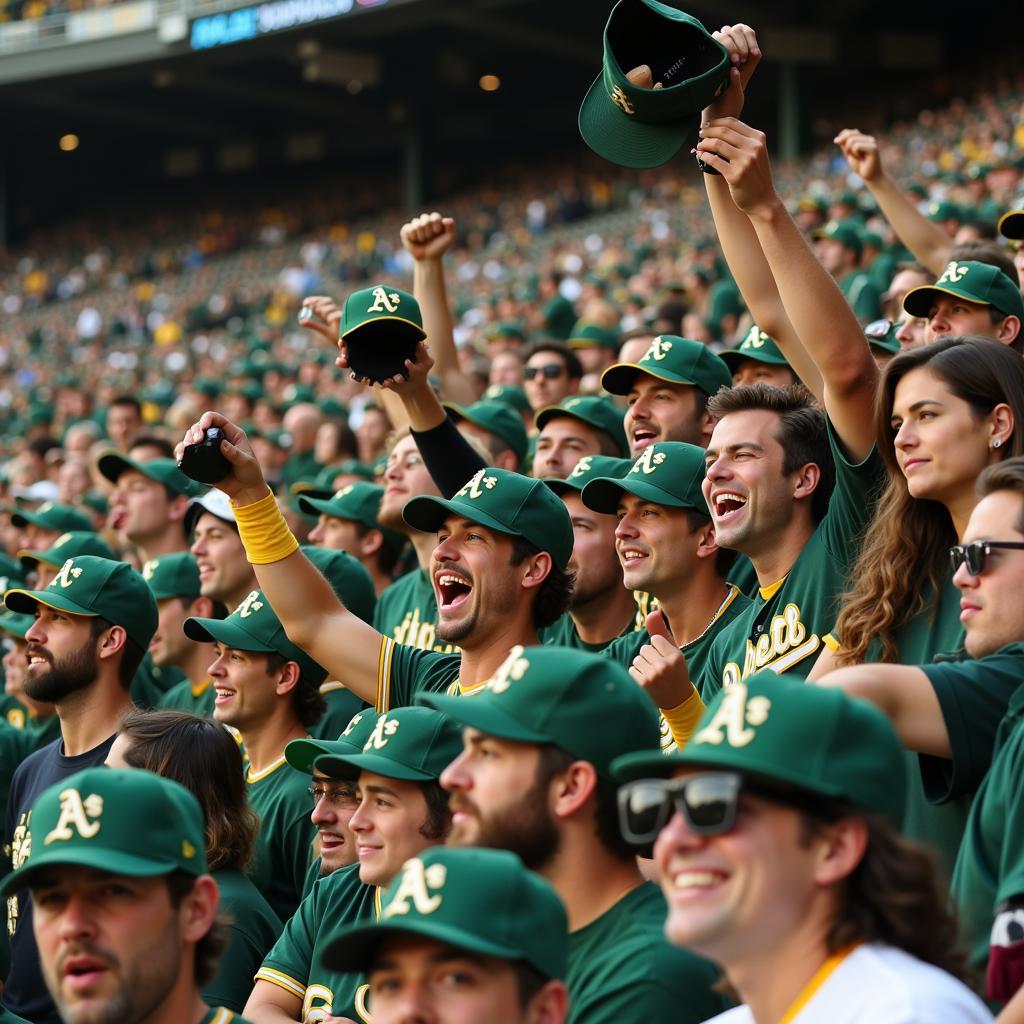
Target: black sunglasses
[[549, 370], [975, 554]]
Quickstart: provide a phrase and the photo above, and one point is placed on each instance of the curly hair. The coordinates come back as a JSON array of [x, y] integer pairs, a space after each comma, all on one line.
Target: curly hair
[[554, 593]]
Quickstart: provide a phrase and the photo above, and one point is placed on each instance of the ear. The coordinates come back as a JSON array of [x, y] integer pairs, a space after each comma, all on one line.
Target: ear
[[571, 790], [1009, 328], [177, 509], [112, 641], [536, 569], [198, 910], [806, 480], [507, 460], [550, 1005], [201, 608], [841, 849], [288, 679], [371, 543], [707, 426], [1002, 424], [707, 545]]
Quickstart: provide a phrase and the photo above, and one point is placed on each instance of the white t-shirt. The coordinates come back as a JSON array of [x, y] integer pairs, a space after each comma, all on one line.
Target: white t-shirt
[[878, 984]]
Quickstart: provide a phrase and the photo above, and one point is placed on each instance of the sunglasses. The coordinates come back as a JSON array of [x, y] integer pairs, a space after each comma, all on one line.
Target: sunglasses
[[975, 554], [551, 371]]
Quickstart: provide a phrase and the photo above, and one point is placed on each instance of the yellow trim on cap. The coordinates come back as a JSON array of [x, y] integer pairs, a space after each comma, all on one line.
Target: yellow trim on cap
[[936, 288], [377, 319], [39, 600], [644, 369], [281, 980]]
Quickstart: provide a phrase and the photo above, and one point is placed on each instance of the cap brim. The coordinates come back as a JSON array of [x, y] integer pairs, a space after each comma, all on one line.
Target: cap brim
[[101, 858], [618, 378], [112, 464], [302, 755], [1011, 225], [223, 631], [624, 140], [427, 514], [482, 713], [316, 506], [734, 357], [25, 602], [603, 494], [918, 301], [30, 559], [415, 329], [336, 766], [560, 487]]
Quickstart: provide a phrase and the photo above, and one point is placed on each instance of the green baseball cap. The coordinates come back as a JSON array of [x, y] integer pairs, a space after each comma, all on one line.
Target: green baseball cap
[[882, 335], [757, 346], [15, 624], [967, 279], [587, 335], [174, 575], [497, 418], [504, 501], [302, 755], [480, 901], [415, 744], [594, 410], [783, 728], [92, 586], [510, 395], [666, 473], [673, 359], [945, 209], [67, 545], [359, 502], [590, 467], [381, 327], [348, 577], [506, 329], [123, 821], [637, 127], [164, 471], [584, 704], [51, 516], [1011, 224], [11, 572], [845, 232], [253, 626]]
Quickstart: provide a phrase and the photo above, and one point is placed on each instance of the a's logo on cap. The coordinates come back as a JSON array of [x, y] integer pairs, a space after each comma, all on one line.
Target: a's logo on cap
[[74, 815], [954, 272], [384, 302], [149, 569], [414, 890], [69, 572], [45, 507], [251, 604], [62, 540], [582, 467], [510, 671], [660, 348], [734, 715], [473, 489], [648, 462], [755, 338], [188, 851], [382, 732], [353, 722], [572, 403], [341, 494], [622, 101]]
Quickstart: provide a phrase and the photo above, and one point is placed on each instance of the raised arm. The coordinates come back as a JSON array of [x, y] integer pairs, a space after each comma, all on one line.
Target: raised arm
[[313, 616], [931, 246]]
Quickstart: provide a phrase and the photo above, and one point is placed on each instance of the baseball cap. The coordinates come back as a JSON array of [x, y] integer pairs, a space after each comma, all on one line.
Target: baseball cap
[[780, 727], [92, 586], [412, 743], [481, 901], [174, 575], [843, 231], [882, 334], [303, 754], [217, 503], [510, 395], [590, 467], [1011, 224], [123, 821], [67, 545], [757, 346], [253, 626], [945, 209], [51, 516], [584, 704], [11, 572], [673, 359], [381, 327], [14, 623], [163, 471], [666, 473], [506, 329], [970, 280], [497, 418], [357, 501], [348, 577], [587, 335], [598, 412], [636, 127], [504, 501]]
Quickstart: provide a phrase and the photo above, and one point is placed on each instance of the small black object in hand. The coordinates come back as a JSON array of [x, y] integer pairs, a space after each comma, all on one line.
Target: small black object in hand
[[205, 461]]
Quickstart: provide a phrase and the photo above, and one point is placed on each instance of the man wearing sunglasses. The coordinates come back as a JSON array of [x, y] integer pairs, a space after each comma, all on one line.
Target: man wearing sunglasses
[[552, 371], [776, 845], [964, 718]]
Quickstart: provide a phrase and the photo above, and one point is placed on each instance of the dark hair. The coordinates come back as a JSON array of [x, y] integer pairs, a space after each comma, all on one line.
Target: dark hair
[[126, 400], [210, 947], [988, 252], [529, 981], [439, 816], [195, 752], [552, 600], [725, 558], [1004, 476], [131, 655], [308, 702], [387, 556], [573, 366], [218, 609], [164, 446], [801, 433]]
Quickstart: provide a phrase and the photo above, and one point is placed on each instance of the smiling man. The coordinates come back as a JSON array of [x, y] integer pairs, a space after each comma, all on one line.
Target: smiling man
[[224, 573]]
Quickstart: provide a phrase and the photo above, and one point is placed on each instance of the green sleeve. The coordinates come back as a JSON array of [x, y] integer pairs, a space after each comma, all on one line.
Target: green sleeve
[[235, 969], [639, 1004], [865, 299], [1011, 854], [296, 852], [624, 649], [288, 964], [405, 671]]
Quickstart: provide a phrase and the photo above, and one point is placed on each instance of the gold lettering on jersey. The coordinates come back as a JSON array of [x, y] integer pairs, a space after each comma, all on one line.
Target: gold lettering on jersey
[[582, 467], [660, 348], [149, 569], [648, 462], [954, 272], [75, 815], [755, 338], [414, 890], [734, 715], [511, 670], [21, 842], [414, 633], [251, 604], [361, 1002], [785, 642], [69, 572], [622, 101], [382, 732], [317, 1004], [384, 302], [474, 489]]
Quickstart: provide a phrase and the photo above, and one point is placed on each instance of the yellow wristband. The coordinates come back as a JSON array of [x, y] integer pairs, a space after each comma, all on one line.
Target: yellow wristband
[[683, 718], [264, 532]]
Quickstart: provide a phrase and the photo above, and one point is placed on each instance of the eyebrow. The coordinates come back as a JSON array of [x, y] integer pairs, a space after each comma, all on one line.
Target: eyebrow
[[750, 445], [379, 789]]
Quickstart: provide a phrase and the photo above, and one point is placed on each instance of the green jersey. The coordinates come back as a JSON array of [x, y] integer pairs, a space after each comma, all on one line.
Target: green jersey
[[284, 847], [563, 633], [13, 712], [300, 467], [295, 964], [403, 671], [253, 928], [782, 629], [221, 1015], [559, 316], [151, 683], [195, 698], [864, 298], [622, 969], [407, 612], [342, 704], [6, 1017]]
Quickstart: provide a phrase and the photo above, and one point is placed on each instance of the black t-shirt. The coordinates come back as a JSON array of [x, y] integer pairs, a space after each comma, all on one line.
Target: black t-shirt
[[25, 991]]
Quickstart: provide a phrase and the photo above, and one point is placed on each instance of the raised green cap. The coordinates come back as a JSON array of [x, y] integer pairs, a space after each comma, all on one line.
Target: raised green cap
[[757, 346], [51, 516], [302, 755], [782, 728], [67, 545], [497, 418], [503, 501], [584, 704], [945, 209], [480, 901], [970, 280], [164, 471], [881, 334], [381, 327], [123, 821], [637, 127], [1011, 225], [411, 743], [673, 359], [845, 232], [594, 410], [506, 329], [510, 395], [378, 304], [359, 502], [253, 626], [348, 577], [90, 586], [590, 467], [174, 575], [588, 335], [666, 473], [15, 624]]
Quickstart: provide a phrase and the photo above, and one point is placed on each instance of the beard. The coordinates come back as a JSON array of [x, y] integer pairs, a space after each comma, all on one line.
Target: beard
[[456, 632], [66, 676]]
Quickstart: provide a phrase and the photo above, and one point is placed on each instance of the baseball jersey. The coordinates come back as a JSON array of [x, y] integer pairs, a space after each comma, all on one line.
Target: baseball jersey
[[253, 928], [284, 847], [403, 672], [219, 1015], [6, 1017], [864, 298], [195, 698], [151, 683], [12, 712], [563, 633], [782, 629], [335, 903], [342, 704], [407, 612], [622, 969]]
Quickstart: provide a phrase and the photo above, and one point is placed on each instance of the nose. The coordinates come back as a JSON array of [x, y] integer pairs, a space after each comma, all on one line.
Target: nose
[[676, 835], [316, 534], [963, 580], [938, 324], [198, 548], [360, 822], [626, 528], [905, 436], [454, 777], [35, 634], [446, 551], [411, 1006], [323, 812], [217, 670], [76, 922]]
